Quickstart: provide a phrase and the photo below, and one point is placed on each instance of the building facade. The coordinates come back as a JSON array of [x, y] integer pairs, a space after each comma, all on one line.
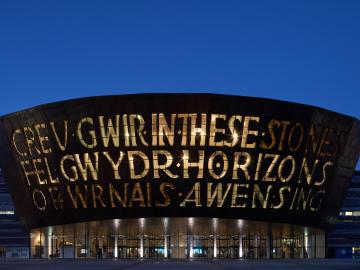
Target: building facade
[[14, 241], [344, 238], [178, 176]]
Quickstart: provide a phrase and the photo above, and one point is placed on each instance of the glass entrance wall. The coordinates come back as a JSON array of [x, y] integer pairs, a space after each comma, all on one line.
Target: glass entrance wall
[[178, 238], [128, 247], [154, 246], [202, 246], [255, 247], [228, 247]]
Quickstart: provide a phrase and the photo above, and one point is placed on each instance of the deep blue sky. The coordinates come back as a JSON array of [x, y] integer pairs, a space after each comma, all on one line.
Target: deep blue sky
[[302, 51]]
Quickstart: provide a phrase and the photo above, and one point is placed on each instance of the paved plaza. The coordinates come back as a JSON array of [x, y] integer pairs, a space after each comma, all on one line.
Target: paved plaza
[[183, 265]]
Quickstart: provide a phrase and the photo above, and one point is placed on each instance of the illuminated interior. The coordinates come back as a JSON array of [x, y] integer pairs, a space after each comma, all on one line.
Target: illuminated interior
[[177, 238]]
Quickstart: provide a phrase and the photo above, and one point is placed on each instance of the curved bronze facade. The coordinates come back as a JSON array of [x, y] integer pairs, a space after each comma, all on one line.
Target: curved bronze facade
[[178, 155]]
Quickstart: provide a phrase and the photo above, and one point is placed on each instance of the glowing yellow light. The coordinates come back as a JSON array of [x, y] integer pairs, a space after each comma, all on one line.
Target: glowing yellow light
[[191, 221]]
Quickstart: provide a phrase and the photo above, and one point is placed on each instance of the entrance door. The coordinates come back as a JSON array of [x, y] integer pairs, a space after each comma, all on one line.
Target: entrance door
[[202, 246], [128, 248], [154, 247]]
